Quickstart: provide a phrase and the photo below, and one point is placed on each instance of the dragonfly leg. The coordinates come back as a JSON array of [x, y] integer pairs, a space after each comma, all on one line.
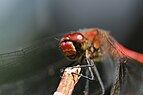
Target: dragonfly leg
[[91, 66], [84, 76], [83, 66], [86, 91], [88, 66], [89, 70], [94, 68]]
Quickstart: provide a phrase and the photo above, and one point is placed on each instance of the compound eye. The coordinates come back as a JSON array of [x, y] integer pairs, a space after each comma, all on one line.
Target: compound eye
[[77, 37]]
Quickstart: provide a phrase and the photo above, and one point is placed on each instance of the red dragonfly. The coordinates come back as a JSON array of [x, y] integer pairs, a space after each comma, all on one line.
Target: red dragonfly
[[96, 45], [21, 70]]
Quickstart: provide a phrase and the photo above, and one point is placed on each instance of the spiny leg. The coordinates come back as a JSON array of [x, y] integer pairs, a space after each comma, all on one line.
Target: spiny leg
[[94, 68], [86, 91], [89, 70], [91, 66]]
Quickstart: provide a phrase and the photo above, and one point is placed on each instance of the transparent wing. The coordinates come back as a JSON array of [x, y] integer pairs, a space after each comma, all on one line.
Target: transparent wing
[[134, 76], [128, 72], [106, 70], [31, 70]]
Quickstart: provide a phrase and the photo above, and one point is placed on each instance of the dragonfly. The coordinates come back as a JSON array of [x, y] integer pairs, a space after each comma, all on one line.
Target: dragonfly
[[22, 69], [97, 45]]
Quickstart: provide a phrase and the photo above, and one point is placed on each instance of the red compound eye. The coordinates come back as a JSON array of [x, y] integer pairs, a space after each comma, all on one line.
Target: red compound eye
[[66, 37], [77, 37], [73, 37]]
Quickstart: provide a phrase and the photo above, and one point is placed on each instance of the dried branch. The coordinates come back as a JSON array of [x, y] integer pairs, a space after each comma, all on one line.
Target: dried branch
[[68, 81]]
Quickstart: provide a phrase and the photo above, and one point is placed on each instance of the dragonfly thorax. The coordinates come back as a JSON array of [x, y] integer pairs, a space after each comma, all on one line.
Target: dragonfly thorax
[[94, 53]]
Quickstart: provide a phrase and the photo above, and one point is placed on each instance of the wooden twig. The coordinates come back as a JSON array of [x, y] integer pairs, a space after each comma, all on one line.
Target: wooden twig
[[68, 81]]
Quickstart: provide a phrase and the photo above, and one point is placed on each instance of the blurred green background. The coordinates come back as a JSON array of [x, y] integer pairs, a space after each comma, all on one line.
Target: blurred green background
[[32, 23]]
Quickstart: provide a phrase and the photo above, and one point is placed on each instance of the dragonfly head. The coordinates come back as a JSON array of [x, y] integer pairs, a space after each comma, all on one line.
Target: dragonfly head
[[73, 45]]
